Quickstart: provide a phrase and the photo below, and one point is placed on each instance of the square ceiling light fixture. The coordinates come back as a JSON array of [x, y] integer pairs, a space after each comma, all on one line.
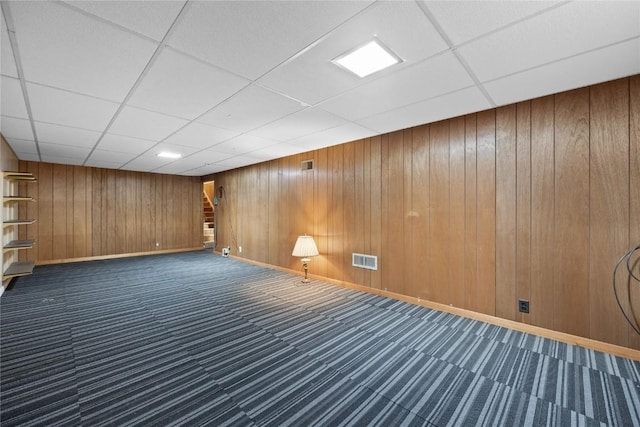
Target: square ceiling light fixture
[[169, 155], [367, 59]]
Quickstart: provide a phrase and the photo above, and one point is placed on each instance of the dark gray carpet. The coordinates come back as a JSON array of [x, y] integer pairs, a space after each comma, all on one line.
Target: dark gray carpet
[[196, 339]]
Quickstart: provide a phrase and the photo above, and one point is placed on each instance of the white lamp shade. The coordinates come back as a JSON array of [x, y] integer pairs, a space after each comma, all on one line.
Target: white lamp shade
[[305, 247]]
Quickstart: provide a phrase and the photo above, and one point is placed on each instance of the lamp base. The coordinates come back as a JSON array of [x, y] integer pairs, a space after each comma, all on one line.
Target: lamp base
[[305, 264]]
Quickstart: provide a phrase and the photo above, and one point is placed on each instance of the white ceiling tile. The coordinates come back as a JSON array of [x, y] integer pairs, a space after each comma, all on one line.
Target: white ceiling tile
[[282, 149], [184, 87], [253, 107], [614, 62], [194, 161], [466, 20], [78, 161], [212, 156], [11, 127], [172, 148], [243, 144], [238, 161], [568, 30], [69, 109], [124, 144], [298, 124], [200, 135], [23, 146], [401, 26], [7, 62], [173, 169], [206, 170], [12, 99], [150, 18], [145, 124], [145, 163], [62, 47], [429, 79], [59, 150], [110, 156], [451, 105], [338, 135], [102, 164], [28, 157], [66, 135], [250, 38]]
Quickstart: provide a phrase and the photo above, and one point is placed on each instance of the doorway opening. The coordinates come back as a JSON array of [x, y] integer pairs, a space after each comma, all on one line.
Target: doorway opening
[[208, 215]]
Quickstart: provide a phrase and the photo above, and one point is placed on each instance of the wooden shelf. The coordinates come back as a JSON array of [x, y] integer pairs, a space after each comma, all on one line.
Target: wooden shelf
[[18, 199], [19, 176], [17, 269], [10, 222], [18, 244], [21, 268]]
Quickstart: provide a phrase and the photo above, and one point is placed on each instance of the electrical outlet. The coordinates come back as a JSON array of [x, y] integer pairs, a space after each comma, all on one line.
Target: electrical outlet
[[523, 306], [239, 249], [157, 244]]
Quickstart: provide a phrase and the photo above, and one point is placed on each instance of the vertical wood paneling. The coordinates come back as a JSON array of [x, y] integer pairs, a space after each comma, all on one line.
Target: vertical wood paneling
[[396, 213], [351, 240], [506, 187], [79, 225], [439, 207], [366, 196], [523, 207], [470, 217], [83, 212], [359, 243], [477, 211], [384, 259], [486, 211], [420, 213], [320, 211], [634, 194], [259, 246], [571, 261], [542, 212], [375, 189], [69, 231], [409, 281], [336, 224], [121, 217], [59, 208], [457, 211], [274, 213], [609, 202]]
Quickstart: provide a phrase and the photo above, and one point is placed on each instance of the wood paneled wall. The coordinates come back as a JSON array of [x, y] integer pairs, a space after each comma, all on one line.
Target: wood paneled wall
[[535, 200], [90, 212]]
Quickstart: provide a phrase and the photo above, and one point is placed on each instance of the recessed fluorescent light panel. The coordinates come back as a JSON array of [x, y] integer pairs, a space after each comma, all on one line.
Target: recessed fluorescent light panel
[[367, 59], [169, 155]]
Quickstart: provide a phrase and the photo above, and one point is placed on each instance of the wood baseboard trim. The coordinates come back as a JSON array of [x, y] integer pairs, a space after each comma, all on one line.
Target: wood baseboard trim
[[114, 256], [604, 347]]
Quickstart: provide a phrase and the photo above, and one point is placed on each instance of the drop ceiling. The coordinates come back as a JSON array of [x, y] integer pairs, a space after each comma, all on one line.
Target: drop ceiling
[[227, 84]]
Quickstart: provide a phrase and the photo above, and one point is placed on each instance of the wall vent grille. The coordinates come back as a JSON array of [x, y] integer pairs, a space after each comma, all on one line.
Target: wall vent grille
[[306, 165], [369, 262]]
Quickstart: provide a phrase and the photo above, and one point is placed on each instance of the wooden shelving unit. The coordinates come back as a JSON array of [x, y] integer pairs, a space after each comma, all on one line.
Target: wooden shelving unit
[[20, 268]]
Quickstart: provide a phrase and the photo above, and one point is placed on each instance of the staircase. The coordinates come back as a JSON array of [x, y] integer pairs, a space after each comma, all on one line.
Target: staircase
[[207, 216], [207, 209]]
